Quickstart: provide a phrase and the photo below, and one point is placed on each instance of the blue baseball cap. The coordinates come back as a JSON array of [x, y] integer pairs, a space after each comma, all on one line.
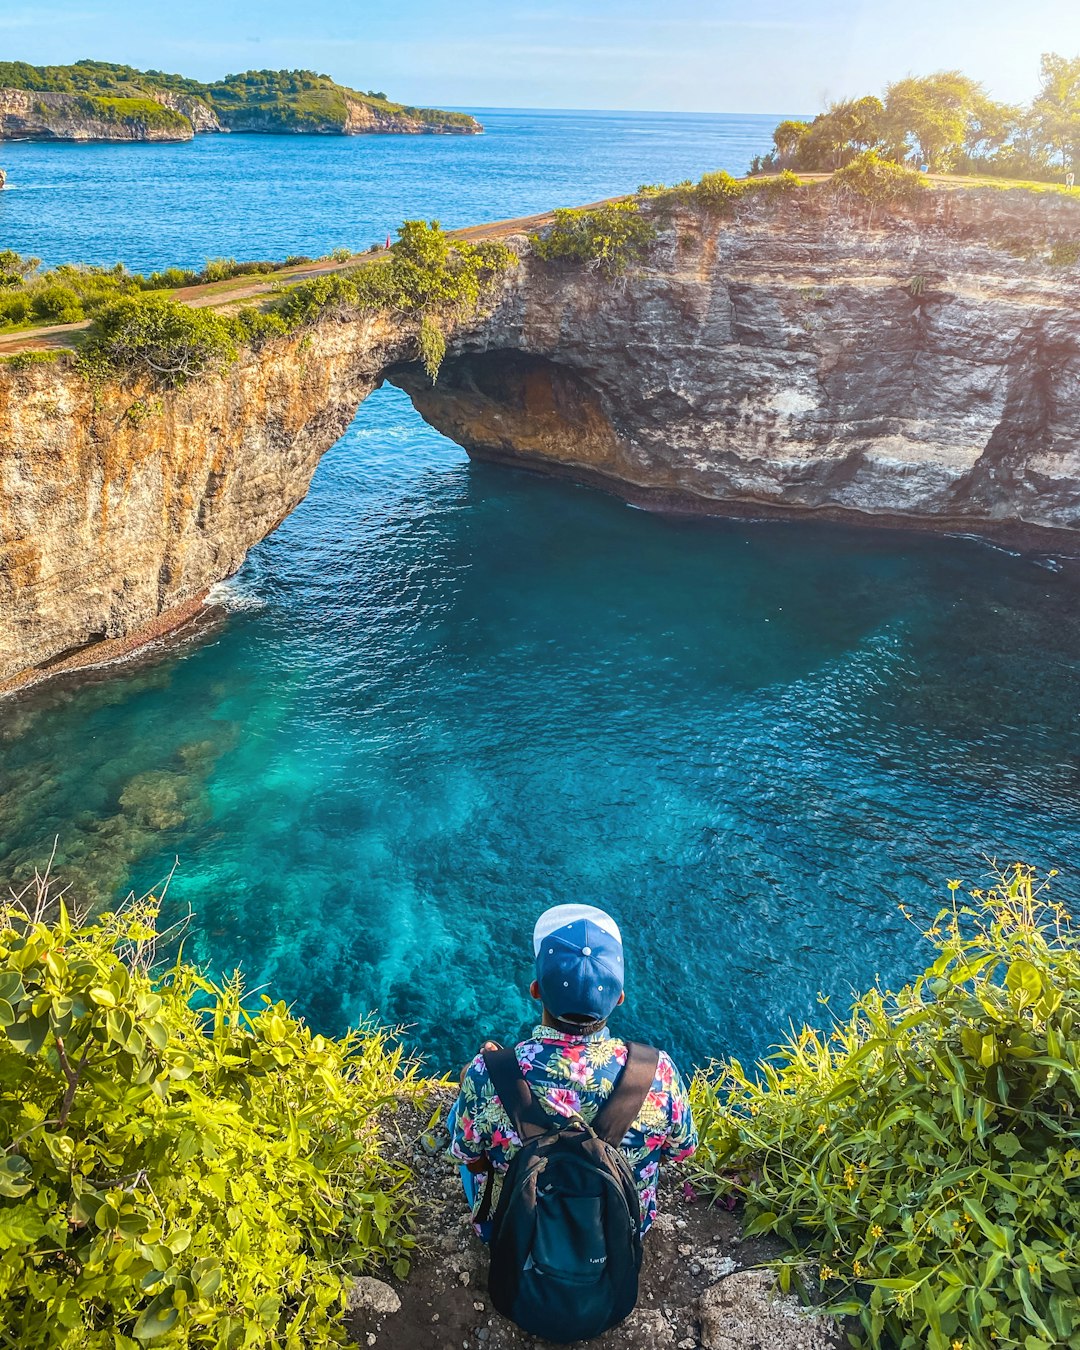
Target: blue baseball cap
[[579, 962]]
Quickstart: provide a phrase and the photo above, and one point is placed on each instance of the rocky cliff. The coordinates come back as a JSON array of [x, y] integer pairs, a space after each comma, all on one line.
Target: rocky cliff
[[808, 355], [29, 115], [918, 368]]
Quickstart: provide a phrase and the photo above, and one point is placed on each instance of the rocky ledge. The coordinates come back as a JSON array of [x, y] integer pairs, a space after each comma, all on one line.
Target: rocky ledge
[[810, 356], [703, 1286]]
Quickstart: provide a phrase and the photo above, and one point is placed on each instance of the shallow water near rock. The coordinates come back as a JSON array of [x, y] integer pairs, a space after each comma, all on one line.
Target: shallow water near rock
[[445, 695]]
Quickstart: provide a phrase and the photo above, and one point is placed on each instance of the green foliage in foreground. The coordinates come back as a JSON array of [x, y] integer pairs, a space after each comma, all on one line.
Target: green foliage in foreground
[[926, 1154], [176, 1168], [611, 237]]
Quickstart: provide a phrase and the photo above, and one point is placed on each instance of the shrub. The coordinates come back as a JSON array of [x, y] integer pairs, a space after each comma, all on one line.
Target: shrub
[[432, 343], [14, 268], [611, 237], [255, 327], [878, 181], [426, 273], [150, 335], [26, 360], [55, 304], [924, 1154], [179, 1167], [14, 308], [718, 191]]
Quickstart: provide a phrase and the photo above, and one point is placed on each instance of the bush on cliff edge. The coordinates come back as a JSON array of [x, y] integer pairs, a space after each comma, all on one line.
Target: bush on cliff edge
[[177, 1168], [924, 1157]]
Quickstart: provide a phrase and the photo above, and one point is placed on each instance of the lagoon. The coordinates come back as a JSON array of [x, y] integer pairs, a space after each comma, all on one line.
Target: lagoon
[[444, 695]]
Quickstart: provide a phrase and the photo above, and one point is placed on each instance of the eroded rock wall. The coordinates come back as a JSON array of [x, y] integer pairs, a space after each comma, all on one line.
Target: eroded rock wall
[[120, 506], [802, 357], [29, 115], [922, 368]]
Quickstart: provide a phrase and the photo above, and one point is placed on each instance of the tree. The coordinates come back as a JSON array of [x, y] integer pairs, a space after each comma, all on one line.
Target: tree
[[935, 112], [788, 137], [1056, 110]]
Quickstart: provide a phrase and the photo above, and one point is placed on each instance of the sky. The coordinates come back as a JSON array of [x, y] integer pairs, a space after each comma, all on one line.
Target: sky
[[765, 56]]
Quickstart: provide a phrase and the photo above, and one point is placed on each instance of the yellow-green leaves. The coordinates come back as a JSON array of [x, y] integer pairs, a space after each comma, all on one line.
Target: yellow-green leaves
[[612, 237], [179, 1168], [924, 1155]]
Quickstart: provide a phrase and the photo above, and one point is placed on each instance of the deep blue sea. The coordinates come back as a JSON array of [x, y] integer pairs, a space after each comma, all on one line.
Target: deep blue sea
[[444, 696]]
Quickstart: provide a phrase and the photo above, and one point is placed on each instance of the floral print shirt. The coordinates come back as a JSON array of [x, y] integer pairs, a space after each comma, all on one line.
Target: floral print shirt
[[575, 1074]]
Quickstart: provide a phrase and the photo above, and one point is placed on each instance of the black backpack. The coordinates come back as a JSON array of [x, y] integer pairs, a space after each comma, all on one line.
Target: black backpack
[[566, 1237]]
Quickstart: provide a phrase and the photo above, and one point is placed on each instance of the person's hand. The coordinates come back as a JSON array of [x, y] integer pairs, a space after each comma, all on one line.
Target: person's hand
[[488, 1045]]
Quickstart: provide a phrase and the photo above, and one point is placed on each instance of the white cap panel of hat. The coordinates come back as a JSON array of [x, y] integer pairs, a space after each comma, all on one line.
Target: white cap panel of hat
[[561, 916]]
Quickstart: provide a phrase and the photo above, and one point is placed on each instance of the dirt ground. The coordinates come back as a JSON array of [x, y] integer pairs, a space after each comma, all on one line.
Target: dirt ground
[[692, 1252]]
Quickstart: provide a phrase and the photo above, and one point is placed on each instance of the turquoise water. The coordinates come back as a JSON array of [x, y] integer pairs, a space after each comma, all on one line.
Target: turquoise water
[[445, 695]]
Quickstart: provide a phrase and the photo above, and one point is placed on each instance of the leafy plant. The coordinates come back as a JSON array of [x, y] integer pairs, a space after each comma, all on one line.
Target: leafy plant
[[432, 342], [924, 1155], [178, 1167], [26, 360], [611, 237], [151, 335], [877, 181]]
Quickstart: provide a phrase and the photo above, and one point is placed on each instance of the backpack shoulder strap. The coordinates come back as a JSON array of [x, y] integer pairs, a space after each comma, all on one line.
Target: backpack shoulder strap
[[632, 1086], [527, 1116]]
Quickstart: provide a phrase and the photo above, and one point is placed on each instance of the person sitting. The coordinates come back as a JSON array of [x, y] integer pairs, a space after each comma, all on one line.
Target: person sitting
[[569, 1076]]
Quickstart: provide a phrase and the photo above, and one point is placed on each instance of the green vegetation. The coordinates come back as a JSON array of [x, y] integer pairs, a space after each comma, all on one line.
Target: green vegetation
[[947, 123], [922, 1158], [426, 275], [72, 291], [140, 110], [26, 360], [610, 237], [877, 180], [256, 100], [182, 1165], [151, 335], [718, 192]]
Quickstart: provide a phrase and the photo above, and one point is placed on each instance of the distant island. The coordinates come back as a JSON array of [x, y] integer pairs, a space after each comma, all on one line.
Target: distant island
[[100, 101]]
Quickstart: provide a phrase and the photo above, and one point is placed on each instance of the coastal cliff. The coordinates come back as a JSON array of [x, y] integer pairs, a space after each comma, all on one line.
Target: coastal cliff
[[807, 355], [102, 101], [27, 115], [922, 368]]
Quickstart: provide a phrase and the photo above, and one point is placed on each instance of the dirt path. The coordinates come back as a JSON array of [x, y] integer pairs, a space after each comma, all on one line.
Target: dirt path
[[219, 294]]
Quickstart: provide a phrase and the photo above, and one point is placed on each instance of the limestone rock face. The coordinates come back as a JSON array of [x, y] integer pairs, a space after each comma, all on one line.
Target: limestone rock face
[[363, 119], [802, 358], [914, 370], [29, 115], [200, 114], [119, 509]]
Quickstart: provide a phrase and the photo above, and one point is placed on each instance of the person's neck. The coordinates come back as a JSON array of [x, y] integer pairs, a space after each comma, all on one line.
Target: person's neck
[[567, 1029]]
